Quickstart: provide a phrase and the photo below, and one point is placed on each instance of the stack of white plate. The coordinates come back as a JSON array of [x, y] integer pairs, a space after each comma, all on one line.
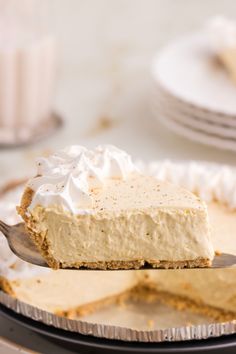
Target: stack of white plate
[[193, 94]]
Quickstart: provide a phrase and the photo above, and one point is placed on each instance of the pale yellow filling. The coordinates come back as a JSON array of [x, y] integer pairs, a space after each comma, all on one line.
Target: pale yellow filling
[[137, 219], [151, 235]]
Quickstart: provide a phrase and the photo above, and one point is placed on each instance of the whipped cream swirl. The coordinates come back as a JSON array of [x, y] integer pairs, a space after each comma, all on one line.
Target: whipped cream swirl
[[211, 182], [67, 178], [222, 33]]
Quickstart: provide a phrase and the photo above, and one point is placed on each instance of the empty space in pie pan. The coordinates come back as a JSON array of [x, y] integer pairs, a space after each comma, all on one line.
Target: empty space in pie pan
[[81, 343]]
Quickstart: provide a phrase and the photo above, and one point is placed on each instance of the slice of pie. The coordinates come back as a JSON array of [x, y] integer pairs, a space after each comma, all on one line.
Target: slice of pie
[[222, 37], [94, 209]]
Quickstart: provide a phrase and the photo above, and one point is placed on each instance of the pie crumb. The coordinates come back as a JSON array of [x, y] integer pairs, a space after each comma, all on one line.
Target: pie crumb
[[150, 323], [121, 303], [218, 253], [188, 324]]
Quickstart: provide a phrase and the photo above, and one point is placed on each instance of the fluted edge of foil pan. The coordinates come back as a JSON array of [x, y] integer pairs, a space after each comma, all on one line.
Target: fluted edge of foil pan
[[174, 334]]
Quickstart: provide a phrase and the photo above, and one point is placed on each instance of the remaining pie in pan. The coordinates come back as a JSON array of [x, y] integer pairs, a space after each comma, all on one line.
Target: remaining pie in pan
[[222, 40], [208, 291]]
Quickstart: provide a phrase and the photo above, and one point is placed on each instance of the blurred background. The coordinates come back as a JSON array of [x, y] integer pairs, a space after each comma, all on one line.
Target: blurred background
[[103, 53]]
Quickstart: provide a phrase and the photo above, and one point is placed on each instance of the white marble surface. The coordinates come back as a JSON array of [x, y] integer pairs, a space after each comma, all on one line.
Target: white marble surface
[[105, 51]]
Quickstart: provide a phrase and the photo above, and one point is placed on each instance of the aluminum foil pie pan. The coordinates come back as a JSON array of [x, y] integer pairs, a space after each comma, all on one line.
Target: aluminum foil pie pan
[[172, 334]]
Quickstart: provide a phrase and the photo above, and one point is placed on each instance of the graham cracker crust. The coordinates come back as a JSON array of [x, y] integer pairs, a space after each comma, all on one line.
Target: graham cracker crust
[[151, 294], [92, 307], [39, 239], [6, 286], [139, 264]]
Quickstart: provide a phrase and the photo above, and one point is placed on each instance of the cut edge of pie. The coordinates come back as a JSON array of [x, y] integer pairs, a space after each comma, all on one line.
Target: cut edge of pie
[[43, 245]]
